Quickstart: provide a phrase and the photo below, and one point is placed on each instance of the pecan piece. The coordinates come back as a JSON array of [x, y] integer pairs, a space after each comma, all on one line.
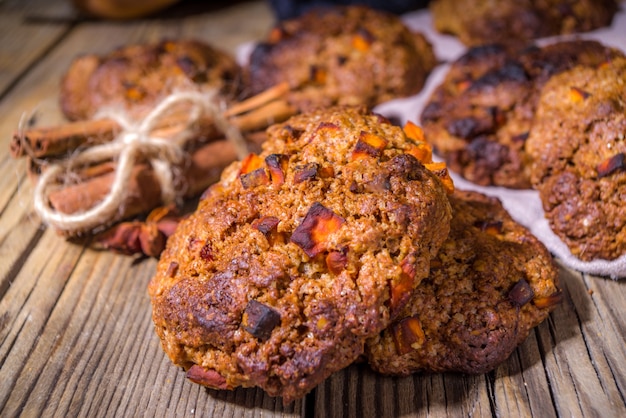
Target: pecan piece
[[206, 377], [336, 261]]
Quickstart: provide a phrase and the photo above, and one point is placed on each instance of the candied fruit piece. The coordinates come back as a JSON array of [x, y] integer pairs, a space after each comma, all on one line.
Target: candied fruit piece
[[266, 224], [548, 301], [440, 170], [305, 172], [254, 178], [316, 226], [577, 95], [260, 320], [250, 163], [135, 93], [277, 165], [362, 40], [317, 74], [408, 335], [368, 145], [403, 286], [612, 165]]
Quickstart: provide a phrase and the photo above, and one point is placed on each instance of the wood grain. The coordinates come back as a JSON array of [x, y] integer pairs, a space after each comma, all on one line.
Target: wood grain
[[76, 336]]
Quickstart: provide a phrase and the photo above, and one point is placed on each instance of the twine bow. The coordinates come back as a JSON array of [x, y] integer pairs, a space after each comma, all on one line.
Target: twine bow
[[136, 140]]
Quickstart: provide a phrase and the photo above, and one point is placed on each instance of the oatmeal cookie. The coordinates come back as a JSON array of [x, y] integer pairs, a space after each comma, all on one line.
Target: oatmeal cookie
[[578, 149], [136, 77], [479, 118], [489, 285], [478, 22], [301, 253], [342, 55]]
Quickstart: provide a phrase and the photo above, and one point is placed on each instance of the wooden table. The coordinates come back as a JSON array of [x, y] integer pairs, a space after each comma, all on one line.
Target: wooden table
[[76, 337]]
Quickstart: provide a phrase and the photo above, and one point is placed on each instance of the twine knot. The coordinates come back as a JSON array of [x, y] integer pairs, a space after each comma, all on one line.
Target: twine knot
[[135, 141]]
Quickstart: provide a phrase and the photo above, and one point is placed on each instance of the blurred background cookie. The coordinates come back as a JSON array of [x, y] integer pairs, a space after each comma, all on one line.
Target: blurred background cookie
[[478, 119], [342, 55], [136, 77], [578, 150], [479, 22]]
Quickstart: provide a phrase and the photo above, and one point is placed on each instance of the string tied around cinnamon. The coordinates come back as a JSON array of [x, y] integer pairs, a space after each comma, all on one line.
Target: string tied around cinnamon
[[135, 141]]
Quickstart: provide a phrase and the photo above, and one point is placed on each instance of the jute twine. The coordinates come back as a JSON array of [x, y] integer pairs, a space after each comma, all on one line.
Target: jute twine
[[135, 141]]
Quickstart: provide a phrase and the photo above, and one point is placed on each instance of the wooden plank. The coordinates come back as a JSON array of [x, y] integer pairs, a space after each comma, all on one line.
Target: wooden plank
[[580, 383], [23, 44]]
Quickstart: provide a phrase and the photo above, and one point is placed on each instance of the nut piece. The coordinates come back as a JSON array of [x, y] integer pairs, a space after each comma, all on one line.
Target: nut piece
[[260, 320], [336, 261], [316, 226], [266, 224], [206, 377]]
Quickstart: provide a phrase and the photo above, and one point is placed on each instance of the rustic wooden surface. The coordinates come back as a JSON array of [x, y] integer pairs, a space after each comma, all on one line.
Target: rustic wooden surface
[[76, 338]]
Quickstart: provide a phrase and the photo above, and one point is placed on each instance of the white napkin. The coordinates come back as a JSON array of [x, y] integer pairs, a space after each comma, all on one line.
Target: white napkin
[[523, 205]]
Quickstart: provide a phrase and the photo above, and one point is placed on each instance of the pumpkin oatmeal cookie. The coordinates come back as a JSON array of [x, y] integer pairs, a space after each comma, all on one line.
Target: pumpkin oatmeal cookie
[[479, 118], [489, 285], [479, 22], [136, 77], [342, 55], [578, 151], [301, 253]]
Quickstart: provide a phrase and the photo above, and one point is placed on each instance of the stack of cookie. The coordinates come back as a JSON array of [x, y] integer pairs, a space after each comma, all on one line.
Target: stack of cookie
[[344, 238]]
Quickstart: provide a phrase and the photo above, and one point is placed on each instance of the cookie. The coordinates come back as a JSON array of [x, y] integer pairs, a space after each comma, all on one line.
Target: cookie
[[489, 285], [136, 77], [301, 253], [342, 56], [479, 118], [578, 156], [480, 22]]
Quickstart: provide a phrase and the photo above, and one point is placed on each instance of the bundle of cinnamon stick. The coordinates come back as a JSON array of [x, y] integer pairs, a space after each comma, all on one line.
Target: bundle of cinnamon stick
[[206, 155]]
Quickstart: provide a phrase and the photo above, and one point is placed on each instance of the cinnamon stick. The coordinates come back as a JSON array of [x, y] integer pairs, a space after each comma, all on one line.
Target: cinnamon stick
[[205, 164], [263, 109]]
